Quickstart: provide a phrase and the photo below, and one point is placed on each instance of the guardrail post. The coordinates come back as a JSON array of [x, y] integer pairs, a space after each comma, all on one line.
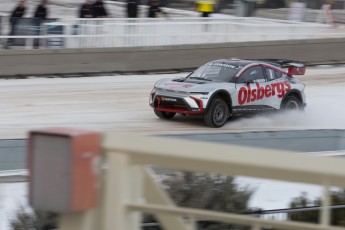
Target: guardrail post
[[155, 194], [256, 226], [326, 202], [79, 221], [28, 43], [192, 223], [122, 185]]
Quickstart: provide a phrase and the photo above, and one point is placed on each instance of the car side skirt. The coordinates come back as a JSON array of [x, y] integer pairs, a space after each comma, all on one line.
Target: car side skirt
[[252, 109]]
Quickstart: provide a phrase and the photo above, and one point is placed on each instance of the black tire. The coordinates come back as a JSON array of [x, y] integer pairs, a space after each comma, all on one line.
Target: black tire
[[291, 103], [217, 113], [164, 115]]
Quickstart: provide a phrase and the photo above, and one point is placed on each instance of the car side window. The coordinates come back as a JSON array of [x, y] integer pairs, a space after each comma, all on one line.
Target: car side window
[[270, 73], [253, 74], [278, 74]]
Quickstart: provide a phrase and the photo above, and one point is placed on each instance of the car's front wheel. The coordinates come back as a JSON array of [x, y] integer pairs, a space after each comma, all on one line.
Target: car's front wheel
[[217, 113], [292, 103], [164, 115]]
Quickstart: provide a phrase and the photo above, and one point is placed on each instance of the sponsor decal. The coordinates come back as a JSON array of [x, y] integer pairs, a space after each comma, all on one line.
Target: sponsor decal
[[223, 65], [166, 99], [178, 85], [247, 95]]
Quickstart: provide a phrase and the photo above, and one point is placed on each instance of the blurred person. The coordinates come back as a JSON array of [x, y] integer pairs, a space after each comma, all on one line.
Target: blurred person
[[99, 10], [132, 8], [42, 10], [17, 13], [86, 10], [251, 7], [205, 7], [41, 13], [154, 9]]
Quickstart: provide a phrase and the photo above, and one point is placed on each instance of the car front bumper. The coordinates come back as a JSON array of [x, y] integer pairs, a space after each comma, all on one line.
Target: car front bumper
[[174, 104]]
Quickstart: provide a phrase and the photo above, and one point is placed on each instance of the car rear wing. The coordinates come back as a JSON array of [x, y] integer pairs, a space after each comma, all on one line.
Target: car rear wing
[[294, 67]]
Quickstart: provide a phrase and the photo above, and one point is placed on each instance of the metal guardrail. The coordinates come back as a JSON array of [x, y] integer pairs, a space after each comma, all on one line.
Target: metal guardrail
[[283, 214], [12, 176], [17, 176], [129, 188]]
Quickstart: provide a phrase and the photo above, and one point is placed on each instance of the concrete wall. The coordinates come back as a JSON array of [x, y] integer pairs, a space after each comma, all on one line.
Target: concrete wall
[[13, 154], [72, 61]]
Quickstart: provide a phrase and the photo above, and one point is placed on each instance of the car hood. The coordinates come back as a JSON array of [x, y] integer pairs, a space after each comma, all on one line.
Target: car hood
[[186, 85]]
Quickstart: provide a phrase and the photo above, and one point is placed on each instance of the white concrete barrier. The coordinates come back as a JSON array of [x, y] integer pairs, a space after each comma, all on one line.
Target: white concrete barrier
[[81, 61]]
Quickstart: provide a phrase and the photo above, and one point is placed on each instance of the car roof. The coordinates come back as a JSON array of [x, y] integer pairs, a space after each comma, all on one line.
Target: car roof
[[239, 63], [235, 62]]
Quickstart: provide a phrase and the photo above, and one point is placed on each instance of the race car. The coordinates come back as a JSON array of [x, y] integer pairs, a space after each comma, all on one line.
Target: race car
[[224, 88]]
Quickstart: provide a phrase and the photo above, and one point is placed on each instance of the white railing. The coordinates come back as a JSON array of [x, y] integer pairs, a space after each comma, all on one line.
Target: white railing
[[103, 33], [128, 188], [109, 41], [226, 18], [150, 32]]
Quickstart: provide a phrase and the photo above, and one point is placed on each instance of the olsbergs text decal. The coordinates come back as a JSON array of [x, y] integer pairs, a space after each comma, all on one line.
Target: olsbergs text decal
[[247, 95]]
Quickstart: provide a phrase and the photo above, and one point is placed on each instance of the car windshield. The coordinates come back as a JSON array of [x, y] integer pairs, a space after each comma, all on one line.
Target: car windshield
[[215, 72]]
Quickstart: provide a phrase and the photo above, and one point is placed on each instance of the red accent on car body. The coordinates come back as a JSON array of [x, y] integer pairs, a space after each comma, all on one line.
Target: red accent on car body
[[174, 110], [296, 70]]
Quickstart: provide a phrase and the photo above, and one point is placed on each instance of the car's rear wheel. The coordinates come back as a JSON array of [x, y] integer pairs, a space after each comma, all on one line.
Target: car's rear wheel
[[164, 115], [292, 103], [217, 113]]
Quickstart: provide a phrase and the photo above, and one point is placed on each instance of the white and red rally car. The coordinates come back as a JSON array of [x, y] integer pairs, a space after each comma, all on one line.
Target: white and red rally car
[[223, 88]]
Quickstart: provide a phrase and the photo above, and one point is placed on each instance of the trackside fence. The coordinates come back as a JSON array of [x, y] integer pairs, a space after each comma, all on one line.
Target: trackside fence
[[129, 188], [102, 33]]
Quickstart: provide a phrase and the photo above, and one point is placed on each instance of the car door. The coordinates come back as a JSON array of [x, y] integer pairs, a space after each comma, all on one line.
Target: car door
[[250, 95], [275, 87]]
